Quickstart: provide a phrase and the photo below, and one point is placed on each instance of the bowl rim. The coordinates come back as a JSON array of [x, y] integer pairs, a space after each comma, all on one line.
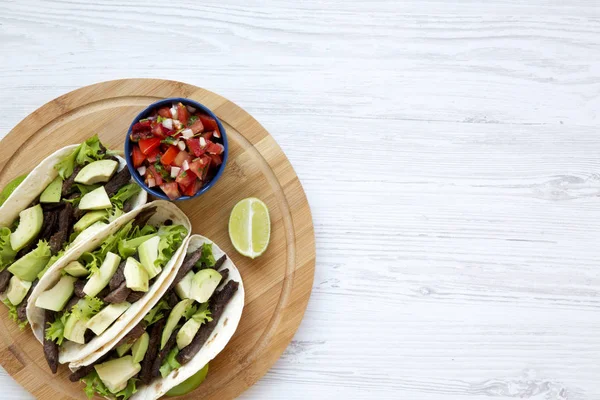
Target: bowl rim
[[143, 114]]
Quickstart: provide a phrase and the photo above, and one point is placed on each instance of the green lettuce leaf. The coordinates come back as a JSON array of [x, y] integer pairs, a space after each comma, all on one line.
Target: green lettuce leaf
[[12, 313], [87, 307], [206, 259], [94, 385], [124, 194], [190, 310], [7, 254], [115, 213], [202, 314], [170, 363], [155, 313], [56, 330], [171, 238], [86, 152]]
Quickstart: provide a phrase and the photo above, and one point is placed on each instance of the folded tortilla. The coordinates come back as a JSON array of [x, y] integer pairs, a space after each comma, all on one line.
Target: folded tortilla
[[39, 178], [72, 351], [217, 341]]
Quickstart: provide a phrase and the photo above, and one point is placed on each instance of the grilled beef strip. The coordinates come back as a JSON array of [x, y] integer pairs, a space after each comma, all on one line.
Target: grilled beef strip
[[68, 183], [188, 263], [50, 347], [4, 280], [143, 217], [135, 296], [117, 182], [65, 225], [217, 305], [118, 277], [151, 353], [118, 295]]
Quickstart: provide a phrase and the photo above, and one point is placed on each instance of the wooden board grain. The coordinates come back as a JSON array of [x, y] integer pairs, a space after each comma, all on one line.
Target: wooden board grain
[[278, 284]]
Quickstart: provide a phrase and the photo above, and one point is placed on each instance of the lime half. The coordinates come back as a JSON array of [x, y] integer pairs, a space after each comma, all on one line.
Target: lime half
[[250, 227], [10, 187], [190, 383]]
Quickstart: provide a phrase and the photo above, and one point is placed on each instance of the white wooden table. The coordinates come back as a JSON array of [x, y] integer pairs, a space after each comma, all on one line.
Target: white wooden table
[[450, 151]]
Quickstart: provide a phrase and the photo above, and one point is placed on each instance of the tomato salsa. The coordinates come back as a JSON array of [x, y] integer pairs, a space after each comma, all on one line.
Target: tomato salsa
[[178, 149]]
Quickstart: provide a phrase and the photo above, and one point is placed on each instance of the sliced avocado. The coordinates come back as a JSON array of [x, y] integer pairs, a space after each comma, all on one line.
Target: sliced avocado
[[10, 188], [136, 277], [148, 252], [89, 232], [140, 347], [97, 172], [204, 284], [128, 248], [30, 225], [17, 290], [76, 269], [124, 348], [75, 329], [52, 192], [187, 332], [184, 287], [29, 266], [57, 297], [89, 219], [115, 373], [97, 199], [189, 384], [100, 279], [173, 320], [109, 314]]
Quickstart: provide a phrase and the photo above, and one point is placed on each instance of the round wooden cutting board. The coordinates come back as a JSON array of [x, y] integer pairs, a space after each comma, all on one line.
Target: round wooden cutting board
[[278, 284]]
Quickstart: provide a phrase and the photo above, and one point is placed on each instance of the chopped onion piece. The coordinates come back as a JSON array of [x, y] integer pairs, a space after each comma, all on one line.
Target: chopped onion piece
[[168, 123], [175, 172], [142, 170], [216, 134], [181, 145], [187, 133], [191, 109], [174, 111], [185, 165], [202, 141], [151, 182], [177, 124]]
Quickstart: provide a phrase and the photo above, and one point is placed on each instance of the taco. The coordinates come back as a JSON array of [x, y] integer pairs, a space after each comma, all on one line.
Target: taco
[[191, 321], [69, 197], [97, 290]]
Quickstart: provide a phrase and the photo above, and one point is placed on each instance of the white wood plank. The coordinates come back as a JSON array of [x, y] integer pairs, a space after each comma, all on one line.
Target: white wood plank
[[449, 150]]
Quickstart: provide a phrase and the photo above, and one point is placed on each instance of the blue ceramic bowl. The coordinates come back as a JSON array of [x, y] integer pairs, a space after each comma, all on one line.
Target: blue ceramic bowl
[[156, 191]]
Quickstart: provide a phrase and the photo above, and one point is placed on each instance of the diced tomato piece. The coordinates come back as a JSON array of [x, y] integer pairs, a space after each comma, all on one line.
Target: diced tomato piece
[[171, 189], [182, 114], [207, 135], [185, 179], [169, 155], [153, 156], [194, 146], [216, 160], [147, 145], [214, 148], [200, 166], [181, 157], [209, 123], [157, 177], [197, 126], [137, 156], [158, 130], [165, 112], [192, 189]]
